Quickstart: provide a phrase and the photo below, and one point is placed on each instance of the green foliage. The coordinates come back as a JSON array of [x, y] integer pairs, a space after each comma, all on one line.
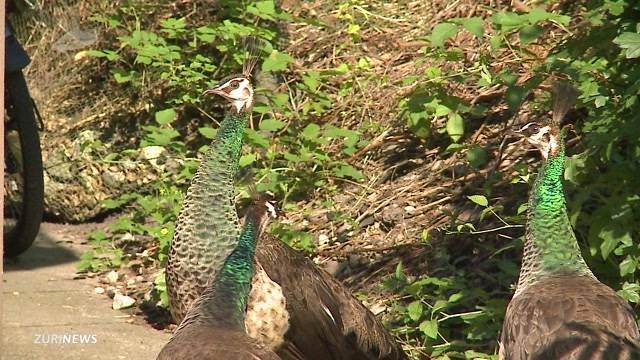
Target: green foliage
[[601, 177], [291, 155], [456, 310], [441, 309]]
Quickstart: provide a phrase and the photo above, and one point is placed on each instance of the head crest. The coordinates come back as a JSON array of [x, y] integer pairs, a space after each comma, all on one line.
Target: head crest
[[252, 47], [564, 97]]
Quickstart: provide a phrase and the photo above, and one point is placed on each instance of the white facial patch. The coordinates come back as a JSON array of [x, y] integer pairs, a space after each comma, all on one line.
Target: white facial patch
[[271, 209], [543, 140], [240, 95]]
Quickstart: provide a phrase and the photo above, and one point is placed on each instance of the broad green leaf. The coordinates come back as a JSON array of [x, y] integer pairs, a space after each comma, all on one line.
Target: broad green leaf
[[514, 97], [630, 292], [509, 20], [277, 61], [539, 14], [479, 199], [630, 42], [208, 132], [414, 309], [477, 156], [166, 116], [256, 138], [263, 9], [522, 208], [474, 25], [311, 131], [122, 77], [312, 80], [530, 33], [628, 266], [455, 127], [430, 328], [247, 159], [271, 125], [611, 238], [441, 33], [348, 171]]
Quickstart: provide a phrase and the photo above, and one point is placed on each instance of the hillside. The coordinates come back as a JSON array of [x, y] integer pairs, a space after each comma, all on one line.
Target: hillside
[[383, 129]]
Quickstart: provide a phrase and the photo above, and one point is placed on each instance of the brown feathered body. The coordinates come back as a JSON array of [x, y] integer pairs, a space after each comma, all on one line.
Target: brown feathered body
[[325, 321], [560, 310], [205, 342], [569, 317]]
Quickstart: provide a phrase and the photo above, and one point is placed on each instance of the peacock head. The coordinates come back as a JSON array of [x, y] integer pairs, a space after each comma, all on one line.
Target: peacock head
[[237, 90], [262, 209], [546, 138]]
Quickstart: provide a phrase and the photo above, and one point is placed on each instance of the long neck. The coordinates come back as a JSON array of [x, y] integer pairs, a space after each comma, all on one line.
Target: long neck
[[207, 228], [550, 243], [226, 300]]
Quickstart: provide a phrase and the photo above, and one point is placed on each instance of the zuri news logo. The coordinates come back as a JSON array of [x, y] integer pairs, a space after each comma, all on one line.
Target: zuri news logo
[[63, 339]]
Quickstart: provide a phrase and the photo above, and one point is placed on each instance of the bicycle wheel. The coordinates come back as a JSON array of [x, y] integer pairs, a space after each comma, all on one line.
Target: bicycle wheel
[[23, 181]]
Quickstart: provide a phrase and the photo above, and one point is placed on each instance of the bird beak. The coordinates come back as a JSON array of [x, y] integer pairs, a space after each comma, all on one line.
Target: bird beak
[[216, 90]]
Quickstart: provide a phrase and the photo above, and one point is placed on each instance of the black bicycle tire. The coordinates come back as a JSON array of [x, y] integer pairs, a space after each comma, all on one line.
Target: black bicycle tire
[[20, 238]]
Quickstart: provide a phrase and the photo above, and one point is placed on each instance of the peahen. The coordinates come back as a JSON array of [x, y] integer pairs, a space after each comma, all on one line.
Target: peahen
[[294, 308], [560, 310], [214, 327]]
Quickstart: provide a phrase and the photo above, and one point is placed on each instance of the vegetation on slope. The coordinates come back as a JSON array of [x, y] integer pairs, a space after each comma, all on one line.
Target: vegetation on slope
[[383, 131]]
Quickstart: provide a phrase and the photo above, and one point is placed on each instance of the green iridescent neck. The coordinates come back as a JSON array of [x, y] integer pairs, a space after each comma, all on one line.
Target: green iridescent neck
[[226, 300], [228, 140], [549, 233]]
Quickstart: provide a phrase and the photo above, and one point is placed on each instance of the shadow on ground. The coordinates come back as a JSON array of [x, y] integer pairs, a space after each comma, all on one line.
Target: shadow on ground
[[45, 251]]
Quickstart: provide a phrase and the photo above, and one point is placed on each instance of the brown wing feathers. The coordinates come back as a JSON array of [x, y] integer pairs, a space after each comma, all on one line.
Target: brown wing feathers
[[321, 308], [569, 317]]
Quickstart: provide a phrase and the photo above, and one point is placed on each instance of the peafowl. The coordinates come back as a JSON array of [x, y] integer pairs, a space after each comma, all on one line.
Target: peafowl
[[294, 308], [559, 309], [214, 327]]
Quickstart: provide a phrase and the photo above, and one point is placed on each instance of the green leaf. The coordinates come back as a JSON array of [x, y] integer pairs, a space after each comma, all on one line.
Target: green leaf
[[208, 132], [276, 61], [345, 171], [414, 310], [455, 127], [247, 159], [530, 33], [514, 97], [630, 292], [474, 25], [539, 14], [441, 33], [522, 208], [263, 9], [122, 77], [271, 125], [630, 42], [508, 20], [311, 131], [256, 138], [166, 116], [353, 29], [611, 238], [477, 156], [430, 328], [479, 199], [628, 266]]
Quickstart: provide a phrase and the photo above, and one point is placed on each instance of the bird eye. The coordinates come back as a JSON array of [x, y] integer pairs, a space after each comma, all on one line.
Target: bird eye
[[234, 84]]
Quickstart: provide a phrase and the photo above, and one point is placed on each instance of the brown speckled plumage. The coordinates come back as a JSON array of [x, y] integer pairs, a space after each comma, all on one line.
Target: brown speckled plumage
[[567, 315], [560, 310], [350, 332]]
